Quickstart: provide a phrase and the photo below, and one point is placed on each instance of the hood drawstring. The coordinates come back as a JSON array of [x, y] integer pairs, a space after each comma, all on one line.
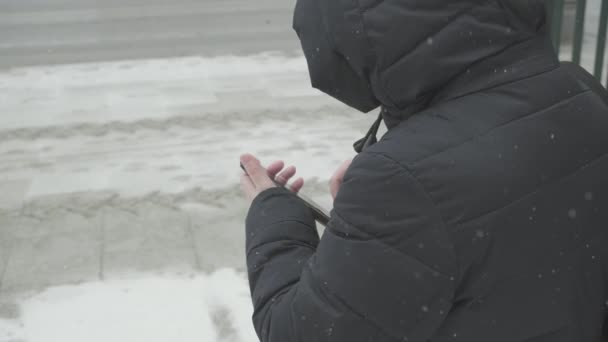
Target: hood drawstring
[[370, 138]]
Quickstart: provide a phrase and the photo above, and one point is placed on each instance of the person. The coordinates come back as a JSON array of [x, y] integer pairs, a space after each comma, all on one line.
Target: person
[[481, 215]]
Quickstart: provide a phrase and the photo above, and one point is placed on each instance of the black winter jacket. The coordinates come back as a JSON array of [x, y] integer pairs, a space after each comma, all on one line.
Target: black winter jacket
[[482, 215]]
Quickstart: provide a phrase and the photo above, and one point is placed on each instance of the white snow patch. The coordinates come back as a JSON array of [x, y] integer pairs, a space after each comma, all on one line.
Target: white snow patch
[[164, 125], [143, 89], [215, 307]]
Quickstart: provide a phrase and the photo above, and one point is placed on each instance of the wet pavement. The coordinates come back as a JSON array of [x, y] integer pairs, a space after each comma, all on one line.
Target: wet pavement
[[122, 122], [118, 162]]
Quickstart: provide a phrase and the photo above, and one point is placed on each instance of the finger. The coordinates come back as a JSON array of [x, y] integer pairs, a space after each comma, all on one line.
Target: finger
[[274, 168], [283, 177], [257, 173], [297, 185], [334, 186], [247, 186], [336, 179], [342, 169], [338, 174]]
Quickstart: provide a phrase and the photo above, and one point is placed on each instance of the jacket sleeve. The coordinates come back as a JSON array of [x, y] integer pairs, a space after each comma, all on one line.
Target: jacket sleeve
[[384, 270]]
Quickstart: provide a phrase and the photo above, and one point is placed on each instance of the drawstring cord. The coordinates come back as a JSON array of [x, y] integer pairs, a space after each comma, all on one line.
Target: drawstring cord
[[370, 138]]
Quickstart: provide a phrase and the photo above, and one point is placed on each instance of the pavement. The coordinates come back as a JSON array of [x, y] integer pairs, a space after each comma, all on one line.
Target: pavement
[[121, 125]]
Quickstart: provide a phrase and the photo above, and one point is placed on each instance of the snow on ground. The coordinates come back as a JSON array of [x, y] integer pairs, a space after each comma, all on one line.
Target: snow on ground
[[164, 125], [214, 307], [142, 89], [119, 194], [111, 169]]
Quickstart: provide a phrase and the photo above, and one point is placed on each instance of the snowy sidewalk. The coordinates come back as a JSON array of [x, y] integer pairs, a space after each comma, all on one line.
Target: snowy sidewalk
[[151, 191], [119, 197], [210, 308]]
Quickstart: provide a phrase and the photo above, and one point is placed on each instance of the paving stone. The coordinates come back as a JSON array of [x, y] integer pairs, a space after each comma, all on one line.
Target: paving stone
[[4, 257], [150, 238], [38, 262], [57, 221], [227, 231], [13, 192]]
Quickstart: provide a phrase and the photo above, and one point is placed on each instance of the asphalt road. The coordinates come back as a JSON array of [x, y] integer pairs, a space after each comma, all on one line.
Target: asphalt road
[[42, 32]]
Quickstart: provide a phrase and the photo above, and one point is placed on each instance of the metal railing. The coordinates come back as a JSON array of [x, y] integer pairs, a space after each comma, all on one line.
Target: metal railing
[[557, 10]]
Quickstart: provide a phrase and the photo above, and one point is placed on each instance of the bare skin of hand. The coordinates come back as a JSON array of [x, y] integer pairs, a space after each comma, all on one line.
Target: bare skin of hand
[[258, 178], [336, 180]]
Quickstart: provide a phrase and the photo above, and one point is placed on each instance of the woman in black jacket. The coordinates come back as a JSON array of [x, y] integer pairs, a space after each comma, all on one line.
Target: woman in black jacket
[[482, 215]]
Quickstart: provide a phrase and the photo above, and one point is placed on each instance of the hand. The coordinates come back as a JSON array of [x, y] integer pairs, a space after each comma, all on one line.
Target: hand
[[336, 180], [257, 179]]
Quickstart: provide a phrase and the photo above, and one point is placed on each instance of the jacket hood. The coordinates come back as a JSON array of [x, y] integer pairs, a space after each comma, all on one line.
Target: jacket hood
[[400, 54]]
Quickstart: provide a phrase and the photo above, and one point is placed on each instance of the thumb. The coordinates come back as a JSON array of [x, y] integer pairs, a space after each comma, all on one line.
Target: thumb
[[337, 178], [334, 186], [257, 173]]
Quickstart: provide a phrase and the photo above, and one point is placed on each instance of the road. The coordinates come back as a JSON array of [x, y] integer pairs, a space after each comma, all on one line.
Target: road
[[42, 32]]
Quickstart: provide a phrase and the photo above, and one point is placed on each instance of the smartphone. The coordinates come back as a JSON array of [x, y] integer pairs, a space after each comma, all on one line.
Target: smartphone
[[320, 214]]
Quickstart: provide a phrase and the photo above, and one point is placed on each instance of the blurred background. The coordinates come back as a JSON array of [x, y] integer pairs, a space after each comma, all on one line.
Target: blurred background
[[578, 29], [121, 124]]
